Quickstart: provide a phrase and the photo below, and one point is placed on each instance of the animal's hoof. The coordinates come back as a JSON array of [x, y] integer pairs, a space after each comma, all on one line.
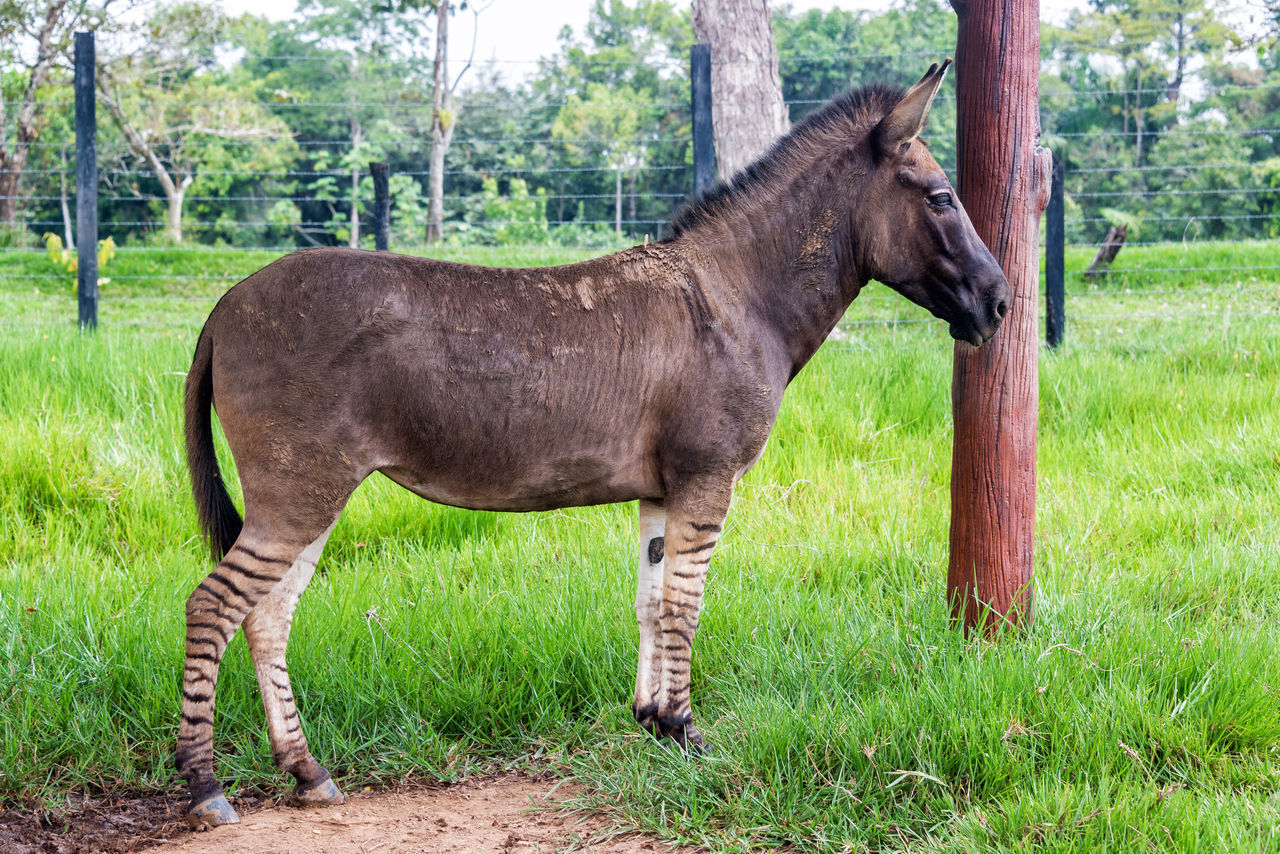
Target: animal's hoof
[[211, 812], [688, 739], [672, 730], [322, 794]]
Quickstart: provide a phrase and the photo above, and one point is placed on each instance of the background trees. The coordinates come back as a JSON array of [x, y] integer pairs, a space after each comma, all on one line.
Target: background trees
[[246, 131], [35, 37], [187, 120]]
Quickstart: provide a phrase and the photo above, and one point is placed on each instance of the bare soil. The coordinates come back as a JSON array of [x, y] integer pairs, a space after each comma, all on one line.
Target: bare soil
[[511, 814]]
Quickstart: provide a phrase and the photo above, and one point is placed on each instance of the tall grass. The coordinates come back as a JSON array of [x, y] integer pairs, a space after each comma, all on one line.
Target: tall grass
[[1143, 710]]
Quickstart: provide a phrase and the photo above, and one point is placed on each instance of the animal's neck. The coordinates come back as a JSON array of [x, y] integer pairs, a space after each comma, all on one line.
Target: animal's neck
[[790, 261]]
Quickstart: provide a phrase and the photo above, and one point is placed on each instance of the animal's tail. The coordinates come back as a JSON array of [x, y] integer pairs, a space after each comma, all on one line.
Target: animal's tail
[[218, 516]]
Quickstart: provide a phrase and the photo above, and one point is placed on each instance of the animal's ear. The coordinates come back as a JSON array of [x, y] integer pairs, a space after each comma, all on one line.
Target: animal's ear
[[906, 120]]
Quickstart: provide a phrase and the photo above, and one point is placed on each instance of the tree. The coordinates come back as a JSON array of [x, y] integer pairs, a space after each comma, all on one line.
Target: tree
[[607, 121], [444, 118], [1152, 41], [368, 56], [822, 54], [813, 55], [34, 35], [443, 121], [645, 48], [174, 104], [348, 80], [748, 112]]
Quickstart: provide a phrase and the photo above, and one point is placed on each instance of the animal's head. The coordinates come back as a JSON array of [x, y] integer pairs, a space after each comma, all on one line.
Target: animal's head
[[915, 234]]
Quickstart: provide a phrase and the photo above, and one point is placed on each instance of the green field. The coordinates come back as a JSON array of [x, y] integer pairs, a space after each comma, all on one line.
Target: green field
[[1142, 712]]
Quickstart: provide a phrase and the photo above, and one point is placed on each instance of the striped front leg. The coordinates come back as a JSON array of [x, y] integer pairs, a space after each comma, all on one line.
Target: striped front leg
[[693, 524]]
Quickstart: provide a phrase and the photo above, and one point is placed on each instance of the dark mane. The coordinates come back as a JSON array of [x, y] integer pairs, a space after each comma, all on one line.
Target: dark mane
[[839, 117]]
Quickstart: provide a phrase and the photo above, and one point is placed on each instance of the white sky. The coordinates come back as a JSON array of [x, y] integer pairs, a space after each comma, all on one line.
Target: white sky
[[512, 30]]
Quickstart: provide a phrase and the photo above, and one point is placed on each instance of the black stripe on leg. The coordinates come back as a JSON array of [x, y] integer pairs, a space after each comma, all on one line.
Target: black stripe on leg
[[249, 573], [704, 526], [204, 585], [218, 628], [261, 558], [206, 656], [696, 549], [227, 583]]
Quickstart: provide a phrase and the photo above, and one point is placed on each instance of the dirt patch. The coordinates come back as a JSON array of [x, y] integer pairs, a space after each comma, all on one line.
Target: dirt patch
[[103, 823], [509, 814]]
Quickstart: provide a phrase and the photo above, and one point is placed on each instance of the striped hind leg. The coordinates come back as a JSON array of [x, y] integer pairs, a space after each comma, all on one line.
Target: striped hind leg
[[653, 520], [215, 609], [266, 629], [695, 516]]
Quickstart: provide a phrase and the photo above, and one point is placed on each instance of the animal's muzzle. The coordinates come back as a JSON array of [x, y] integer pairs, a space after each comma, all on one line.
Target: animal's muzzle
[[983, 320]]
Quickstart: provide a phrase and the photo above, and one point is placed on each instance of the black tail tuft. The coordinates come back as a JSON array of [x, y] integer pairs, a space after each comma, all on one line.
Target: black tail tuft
[[218, 515]]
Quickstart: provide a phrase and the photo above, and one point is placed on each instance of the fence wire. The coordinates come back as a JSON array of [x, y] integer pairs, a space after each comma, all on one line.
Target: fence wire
[[548, 191]]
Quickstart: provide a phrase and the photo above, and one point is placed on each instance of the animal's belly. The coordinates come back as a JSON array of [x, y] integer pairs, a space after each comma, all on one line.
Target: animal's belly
[[544, 484]]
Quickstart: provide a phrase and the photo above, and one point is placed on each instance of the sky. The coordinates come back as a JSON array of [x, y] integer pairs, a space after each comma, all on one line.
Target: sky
[[518, 31]]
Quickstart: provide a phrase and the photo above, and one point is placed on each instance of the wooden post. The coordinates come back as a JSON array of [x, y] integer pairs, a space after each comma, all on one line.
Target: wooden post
[[1055, 269], [704, 147], [86, 182], [1004, 183], [381, 172]]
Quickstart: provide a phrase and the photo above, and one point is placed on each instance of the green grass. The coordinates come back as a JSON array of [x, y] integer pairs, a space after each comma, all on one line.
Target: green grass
[[1142, 711]]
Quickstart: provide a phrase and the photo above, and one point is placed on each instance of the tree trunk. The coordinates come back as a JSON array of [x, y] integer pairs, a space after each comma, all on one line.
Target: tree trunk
[[11, 167], [617, 200], [175, 194], [1174, 88], [1137, 121], [442, 124], [1107, 252], [631, 195], [353, 235], [68, 234], [1004, 182], [747, 111]]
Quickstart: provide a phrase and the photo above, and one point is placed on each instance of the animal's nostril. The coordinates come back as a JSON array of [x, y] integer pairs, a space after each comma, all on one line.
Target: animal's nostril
[[1002, 308]]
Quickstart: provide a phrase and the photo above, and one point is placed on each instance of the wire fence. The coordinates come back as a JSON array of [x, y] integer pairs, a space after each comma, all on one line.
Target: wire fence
[[566, 193]]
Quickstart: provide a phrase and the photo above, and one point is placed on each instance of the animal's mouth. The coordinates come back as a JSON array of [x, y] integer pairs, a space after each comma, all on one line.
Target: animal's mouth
[[970, 334]]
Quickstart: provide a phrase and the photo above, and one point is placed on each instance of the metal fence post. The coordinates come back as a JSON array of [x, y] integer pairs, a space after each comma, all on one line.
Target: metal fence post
[[86, 182], [704, 147], [1055, 315], [381, 172]]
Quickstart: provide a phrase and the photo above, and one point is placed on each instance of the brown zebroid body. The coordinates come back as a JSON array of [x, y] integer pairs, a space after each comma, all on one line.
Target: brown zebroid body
[[653, 375]]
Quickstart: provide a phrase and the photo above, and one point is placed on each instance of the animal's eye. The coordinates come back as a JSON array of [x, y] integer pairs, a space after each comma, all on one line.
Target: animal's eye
[[940, 200]]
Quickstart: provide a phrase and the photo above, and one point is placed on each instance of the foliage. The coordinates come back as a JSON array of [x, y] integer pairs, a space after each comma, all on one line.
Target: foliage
[[1158, 108], [67, 259], [822, 54]]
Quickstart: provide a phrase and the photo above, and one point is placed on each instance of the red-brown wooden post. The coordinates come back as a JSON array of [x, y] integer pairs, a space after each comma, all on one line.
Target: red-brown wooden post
[[1004, 183]]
